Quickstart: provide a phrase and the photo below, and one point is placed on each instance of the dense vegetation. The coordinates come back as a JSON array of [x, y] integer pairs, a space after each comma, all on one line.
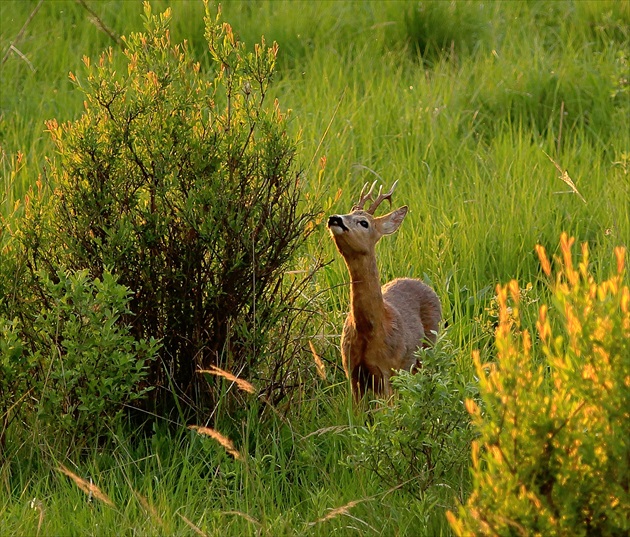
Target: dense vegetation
[[506, 124]]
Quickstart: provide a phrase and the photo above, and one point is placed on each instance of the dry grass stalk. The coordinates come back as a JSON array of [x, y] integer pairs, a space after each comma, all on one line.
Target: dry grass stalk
[[96, 21], [37, 504], [321, 368], [242, 384], [331, 429], [144, 502], [242, 515], [89, 488], [564, 175], [343, 510], [195, 528], [19, 35], [216, 435]]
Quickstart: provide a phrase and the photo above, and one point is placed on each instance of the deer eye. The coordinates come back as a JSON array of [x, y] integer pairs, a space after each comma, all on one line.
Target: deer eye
[[364, 223]]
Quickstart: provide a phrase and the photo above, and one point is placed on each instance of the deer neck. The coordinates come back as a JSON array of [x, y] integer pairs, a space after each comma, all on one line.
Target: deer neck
[[366, 299]]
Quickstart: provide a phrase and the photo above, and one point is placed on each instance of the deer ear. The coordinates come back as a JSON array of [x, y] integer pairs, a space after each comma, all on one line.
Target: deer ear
[[389, 223]]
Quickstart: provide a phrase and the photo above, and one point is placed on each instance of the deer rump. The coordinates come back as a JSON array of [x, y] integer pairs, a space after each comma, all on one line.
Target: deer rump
[[372, 353]]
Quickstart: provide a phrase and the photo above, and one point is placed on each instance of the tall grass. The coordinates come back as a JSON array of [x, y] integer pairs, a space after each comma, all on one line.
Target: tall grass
[[289, 482], [464, 103]]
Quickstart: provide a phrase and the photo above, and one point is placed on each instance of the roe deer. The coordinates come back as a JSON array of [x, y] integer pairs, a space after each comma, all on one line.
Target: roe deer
[[386, 324]]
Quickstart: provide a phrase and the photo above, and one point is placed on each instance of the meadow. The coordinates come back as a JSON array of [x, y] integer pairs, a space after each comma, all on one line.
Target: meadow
[[505, 124]]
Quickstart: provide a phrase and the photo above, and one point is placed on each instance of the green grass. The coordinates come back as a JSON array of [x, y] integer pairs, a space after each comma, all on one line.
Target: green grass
[[292, 475], [466, 129]]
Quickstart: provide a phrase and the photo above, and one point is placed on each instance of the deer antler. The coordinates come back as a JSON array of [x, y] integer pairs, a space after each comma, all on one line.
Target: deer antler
[[363, 197], [381, 197]]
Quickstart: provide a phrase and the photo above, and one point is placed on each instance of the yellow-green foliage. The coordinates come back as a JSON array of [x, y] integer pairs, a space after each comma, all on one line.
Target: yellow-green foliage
[[553, 449]]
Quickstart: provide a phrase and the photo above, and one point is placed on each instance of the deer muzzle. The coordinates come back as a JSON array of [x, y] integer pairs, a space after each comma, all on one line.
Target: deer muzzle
[[336, 222]]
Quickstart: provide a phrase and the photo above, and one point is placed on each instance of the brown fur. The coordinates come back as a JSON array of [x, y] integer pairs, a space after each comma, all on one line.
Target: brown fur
[[386, 324]]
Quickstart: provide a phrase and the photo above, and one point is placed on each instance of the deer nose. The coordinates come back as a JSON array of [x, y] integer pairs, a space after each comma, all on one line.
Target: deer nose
[[336, 220]]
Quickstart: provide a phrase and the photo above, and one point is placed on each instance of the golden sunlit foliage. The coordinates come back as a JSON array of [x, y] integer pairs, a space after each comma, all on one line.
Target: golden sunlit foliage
[[553, 449]]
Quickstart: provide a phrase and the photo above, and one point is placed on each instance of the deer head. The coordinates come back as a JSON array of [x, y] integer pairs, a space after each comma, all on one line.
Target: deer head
[[357, 233]]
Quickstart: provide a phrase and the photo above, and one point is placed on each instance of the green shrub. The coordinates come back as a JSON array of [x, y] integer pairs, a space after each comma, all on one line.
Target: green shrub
[[554, 451], [95, 365], [423, 440], [15, 373], [73, 365], [182, 180]]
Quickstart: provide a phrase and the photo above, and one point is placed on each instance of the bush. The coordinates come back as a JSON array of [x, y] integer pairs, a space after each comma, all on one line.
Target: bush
[[73, 365], [15, 373], [182, 180], [554, 452], [423, 440]]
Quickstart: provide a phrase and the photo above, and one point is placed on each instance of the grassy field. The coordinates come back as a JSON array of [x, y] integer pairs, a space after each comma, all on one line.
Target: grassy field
[[471, 106]]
